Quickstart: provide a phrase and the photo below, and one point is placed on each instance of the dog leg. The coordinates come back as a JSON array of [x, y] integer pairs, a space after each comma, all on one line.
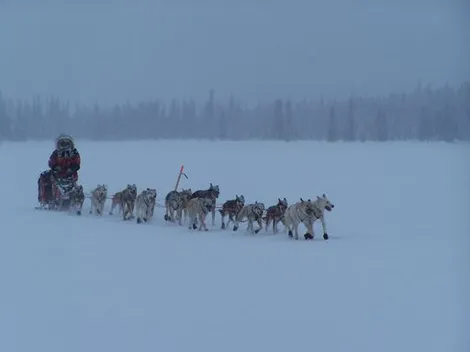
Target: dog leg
[[235, 226], [202, 219], [249, 228], [260, 225], [268, 221], [309, 235], [230, 220], [296, 230], [193, 222], [179, 214], [323, 224], [222, 219]]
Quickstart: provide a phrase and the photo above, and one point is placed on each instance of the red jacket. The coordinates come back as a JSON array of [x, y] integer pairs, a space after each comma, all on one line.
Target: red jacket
[[69, 163]]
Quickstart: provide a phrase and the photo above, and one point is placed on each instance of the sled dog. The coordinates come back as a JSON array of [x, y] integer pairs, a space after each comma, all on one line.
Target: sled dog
[[197, 209], [77, 198], [275, 213], [307, 212], [175, 202], [116, 202], [213, 193], [252, 212], [231, 208], [145, 205], [98, 199], [125, 200]]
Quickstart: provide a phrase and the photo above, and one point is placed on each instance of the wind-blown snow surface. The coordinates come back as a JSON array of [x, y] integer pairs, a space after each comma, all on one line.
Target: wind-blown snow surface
[[393, 277]]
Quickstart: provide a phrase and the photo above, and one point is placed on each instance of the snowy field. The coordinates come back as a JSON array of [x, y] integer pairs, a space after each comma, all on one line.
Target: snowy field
[[394, 276]]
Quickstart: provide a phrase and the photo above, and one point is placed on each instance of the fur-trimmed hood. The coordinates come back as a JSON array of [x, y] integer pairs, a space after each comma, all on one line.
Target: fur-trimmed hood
[[64, 142]]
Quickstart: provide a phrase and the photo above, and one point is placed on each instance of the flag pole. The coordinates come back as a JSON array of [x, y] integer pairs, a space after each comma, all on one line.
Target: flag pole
[[179, 177]]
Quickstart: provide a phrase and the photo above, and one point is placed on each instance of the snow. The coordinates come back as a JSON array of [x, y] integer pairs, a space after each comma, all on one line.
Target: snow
[[392, 277]]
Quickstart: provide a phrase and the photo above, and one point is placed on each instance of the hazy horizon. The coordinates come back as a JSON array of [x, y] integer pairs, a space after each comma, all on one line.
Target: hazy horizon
[[111, 52]]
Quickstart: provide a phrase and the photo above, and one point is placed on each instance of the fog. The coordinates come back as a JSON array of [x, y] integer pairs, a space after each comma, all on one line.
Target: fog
[[112, 51]]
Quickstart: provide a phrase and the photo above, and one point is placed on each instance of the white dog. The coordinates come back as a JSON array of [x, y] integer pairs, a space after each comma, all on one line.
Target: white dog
[[145, 205], [98, 199], [197, 209], [307, 212]]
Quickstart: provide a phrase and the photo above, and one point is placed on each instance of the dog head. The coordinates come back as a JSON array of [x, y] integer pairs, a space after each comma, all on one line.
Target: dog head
[[258, 208], [308, 206], [151, 194], [240, 200], [132, 189], [214, 190], [324, 203], [282, 204], [101, 191], [77, 193], [206, 203], [186, 194]]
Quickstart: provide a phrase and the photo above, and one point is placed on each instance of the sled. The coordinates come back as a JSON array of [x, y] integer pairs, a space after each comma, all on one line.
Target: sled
[[61, 193]]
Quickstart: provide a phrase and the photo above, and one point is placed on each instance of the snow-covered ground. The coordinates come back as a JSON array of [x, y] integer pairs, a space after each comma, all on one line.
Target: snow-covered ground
[[394, 275]]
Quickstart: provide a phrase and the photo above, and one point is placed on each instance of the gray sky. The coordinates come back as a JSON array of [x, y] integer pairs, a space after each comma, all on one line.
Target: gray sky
[[110, 51]]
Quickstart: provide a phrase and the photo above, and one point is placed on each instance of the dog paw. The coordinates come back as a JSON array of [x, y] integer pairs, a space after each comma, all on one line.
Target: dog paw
[[325, 236], [308, 236]]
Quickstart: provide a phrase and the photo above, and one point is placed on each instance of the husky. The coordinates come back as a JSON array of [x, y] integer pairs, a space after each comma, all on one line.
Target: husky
[[307, 212], [231, 208], [125, 200], [77, 198], [175, 202], [116, 202], [197, 209], [252, 212], [98, 199], [212, 193], [275, 213], [145, 205]]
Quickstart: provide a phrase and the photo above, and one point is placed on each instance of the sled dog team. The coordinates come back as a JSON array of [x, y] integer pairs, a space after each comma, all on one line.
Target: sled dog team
[[183, 205]]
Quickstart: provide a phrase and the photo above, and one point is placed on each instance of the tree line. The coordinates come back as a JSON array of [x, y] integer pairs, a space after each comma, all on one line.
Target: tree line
[[425, 114]]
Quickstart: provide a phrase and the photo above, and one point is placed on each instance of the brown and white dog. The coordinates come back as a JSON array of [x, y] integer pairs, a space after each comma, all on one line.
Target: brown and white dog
[[125, 200], [176, 202], [275, 213], [212, 193], [231, 208]]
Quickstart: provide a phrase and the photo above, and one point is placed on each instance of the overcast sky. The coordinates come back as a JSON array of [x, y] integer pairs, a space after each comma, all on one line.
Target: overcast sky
[[110, 51]]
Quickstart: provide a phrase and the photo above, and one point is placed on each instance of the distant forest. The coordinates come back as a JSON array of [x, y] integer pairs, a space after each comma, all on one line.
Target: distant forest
[[425, 114]]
